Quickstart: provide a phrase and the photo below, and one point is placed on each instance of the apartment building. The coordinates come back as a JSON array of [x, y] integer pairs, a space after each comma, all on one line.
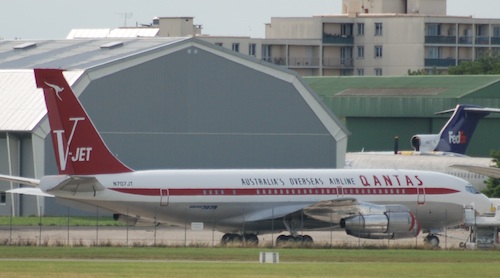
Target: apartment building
[[369, 38], [373, 38]]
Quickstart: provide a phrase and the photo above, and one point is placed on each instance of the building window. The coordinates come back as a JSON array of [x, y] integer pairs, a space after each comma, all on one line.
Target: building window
[[433, 30], [433, 53], [236, 47], [378, 72], [361, 52], [496, 31], [251, 49], [346, 30], [218, 43], [3, 197], [378, 29], [360, 72], [361, 29], [378, 51]]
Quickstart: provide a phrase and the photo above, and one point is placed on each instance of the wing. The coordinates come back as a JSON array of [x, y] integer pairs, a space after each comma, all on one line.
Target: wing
[[482, 170], [21, 180]]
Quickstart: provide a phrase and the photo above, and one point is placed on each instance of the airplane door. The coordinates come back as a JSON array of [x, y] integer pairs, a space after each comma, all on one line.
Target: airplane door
[[164, 197], [420, 195], [340, 191]]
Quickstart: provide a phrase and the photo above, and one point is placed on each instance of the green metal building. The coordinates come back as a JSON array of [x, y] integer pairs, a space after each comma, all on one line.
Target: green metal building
[[377, 109]]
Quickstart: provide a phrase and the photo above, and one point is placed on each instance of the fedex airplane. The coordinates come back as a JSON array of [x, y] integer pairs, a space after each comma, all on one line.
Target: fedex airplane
[[243, 203], [455, 135], [436, 152]]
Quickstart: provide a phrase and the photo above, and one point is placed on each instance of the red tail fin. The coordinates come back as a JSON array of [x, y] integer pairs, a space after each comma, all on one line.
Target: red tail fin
[[78, 147]]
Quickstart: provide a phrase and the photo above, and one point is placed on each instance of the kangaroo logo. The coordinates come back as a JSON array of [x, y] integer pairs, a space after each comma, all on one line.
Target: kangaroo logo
[[81, 154], [57, 89]]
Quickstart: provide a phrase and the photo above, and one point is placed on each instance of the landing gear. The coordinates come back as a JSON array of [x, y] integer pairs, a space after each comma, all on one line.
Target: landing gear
[[293, 223], [282, 239], [432, 240], [250, 239]]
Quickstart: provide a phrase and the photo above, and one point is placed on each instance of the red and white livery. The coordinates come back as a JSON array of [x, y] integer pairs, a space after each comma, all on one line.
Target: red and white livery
[[244, 202]]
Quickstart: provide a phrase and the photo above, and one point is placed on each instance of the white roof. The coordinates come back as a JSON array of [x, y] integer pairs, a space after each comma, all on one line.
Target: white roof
[[22, 105], [142, 32]]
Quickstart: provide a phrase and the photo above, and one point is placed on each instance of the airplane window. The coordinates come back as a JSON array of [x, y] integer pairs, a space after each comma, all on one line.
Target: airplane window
[[222, 192], [258, 192]]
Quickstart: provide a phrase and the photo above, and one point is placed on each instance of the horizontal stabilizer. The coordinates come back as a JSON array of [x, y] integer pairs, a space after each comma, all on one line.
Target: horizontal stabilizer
[[29, 191], [21, 180], [73, 184]]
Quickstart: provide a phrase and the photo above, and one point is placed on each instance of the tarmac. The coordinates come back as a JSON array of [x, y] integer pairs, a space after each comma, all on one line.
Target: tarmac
[[180, 236]]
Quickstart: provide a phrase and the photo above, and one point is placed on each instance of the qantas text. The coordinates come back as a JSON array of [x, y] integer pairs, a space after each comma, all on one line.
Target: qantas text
[[373, 180]]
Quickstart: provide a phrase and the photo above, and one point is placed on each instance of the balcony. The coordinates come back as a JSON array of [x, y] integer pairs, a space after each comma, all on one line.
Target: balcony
[[338, 62], [338, 39], [495, 40], [280, 61], [441, 39], [465, 40], [483, 40], [303, 62], [439, 63]]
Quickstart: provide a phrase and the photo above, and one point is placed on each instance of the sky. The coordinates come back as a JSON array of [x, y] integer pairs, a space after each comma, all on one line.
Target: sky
[[53, 19]]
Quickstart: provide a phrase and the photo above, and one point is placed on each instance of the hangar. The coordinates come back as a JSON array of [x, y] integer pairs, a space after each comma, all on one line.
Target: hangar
[[377, 109], [173, 103]]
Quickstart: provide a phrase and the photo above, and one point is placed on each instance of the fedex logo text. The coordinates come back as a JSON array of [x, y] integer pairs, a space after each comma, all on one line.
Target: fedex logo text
[[81, 154], [460, 138]]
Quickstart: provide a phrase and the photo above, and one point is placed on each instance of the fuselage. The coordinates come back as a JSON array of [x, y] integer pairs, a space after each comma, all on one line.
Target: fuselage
[[369, 160], [256, 200]]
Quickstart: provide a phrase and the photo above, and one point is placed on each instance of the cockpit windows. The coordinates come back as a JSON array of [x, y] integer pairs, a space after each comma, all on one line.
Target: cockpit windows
[[471, 189]]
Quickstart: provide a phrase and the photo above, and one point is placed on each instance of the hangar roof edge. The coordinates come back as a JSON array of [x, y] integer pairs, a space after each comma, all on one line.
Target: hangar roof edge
[[409, 96]]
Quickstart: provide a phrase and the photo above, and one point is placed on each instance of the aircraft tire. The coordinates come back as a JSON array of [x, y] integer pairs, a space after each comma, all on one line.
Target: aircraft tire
[[432, 240]]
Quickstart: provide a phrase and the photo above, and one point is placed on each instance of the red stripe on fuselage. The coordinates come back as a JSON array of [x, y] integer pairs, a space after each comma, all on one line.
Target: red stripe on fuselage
[[281, 191]]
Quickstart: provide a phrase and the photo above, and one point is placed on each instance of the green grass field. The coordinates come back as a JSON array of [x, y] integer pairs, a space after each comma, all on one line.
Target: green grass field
[[242, 262]]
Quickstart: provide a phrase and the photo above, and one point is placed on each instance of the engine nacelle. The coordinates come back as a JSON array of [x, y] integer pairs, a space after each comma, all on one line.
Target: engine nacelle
[[128, 220], [425, 142], [391, 223]]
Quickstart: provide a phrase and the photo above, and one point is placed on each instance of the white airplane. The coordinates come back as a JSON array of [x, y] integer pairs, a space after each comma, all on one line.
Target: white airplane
[[436, 152], [376, 204], [443, 164]]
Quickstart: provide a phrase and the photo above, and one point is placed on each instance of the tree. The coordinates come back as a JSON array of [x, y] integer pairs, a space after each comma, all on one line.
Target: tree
[[493, 185], [488, 63]]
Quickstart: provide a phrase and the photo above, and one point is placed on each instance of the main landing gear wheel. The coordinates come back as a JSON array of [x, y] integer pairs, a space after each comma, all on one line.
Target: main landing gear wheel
[[250, 239], [432, 240], [294, 239]]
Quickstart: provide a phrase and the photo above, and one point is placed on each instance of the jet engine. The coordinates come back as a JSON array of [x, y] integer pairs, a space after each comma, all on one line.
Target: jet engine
[[128, 220], [392, 222], [425, 142]]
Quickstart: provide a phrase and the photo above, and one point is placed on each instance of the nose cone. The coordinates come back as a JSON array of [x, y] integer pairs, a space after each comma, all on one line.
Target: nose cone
[[483, 204]]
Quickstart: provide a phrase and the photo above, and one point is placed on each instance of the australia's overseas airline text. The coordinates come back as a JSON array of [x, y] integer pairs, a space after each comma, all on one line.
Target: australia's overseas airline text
[[373, 180]]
